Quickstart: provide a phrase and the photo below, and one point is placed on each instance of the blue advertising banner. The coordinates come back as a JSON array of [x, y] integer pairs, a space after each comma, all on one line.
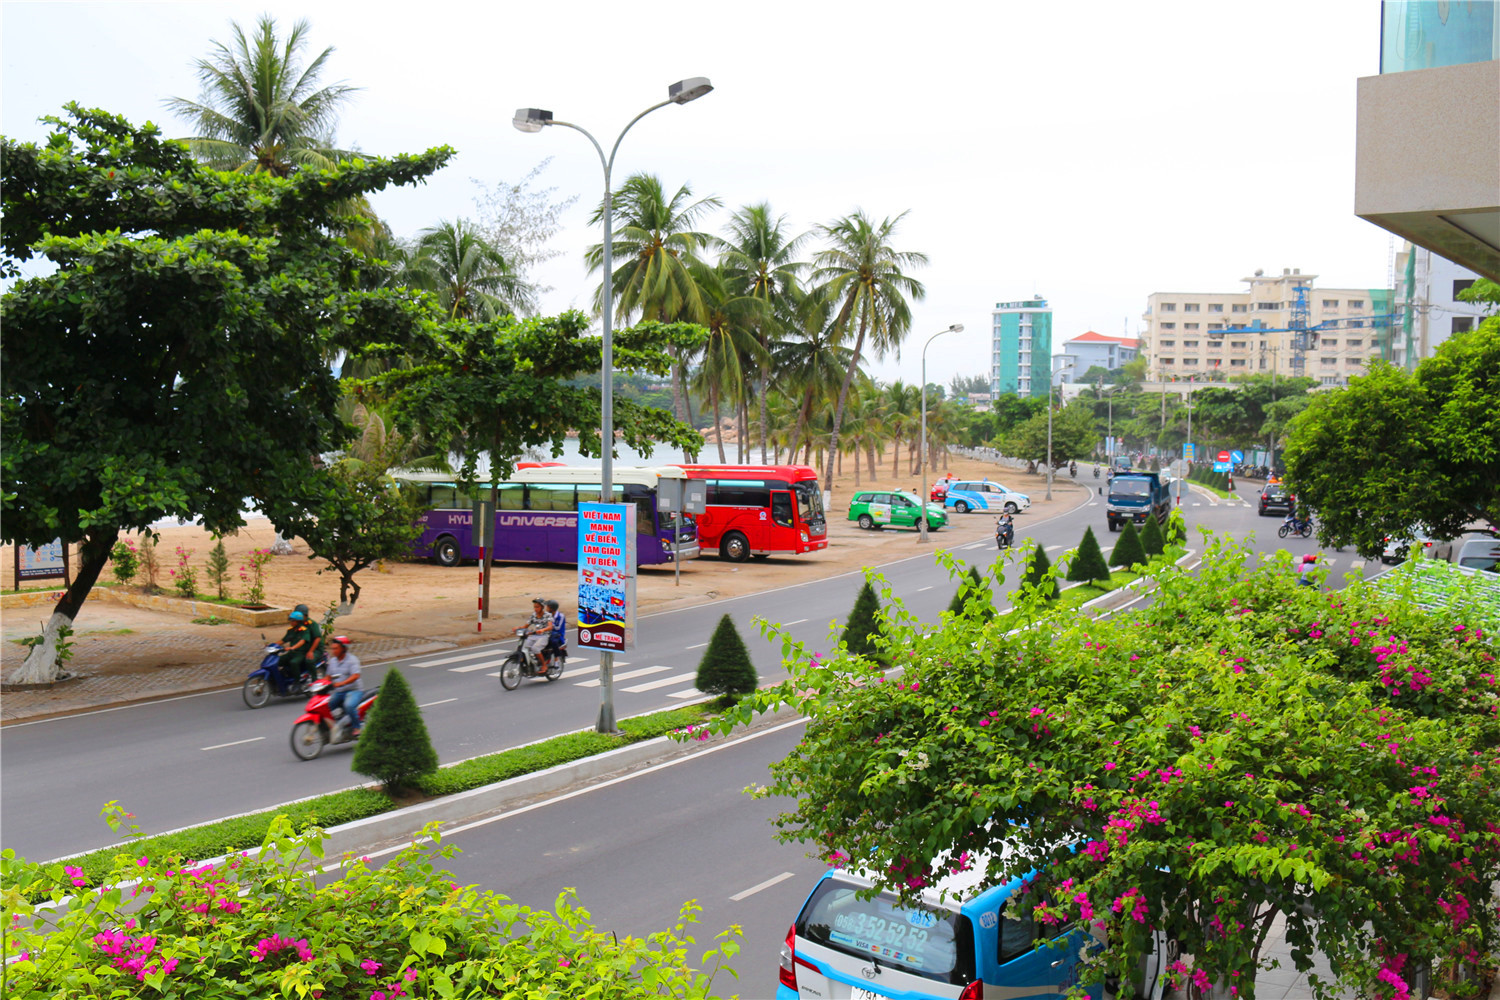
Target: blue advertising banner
[[606, 576], [1189, 450]]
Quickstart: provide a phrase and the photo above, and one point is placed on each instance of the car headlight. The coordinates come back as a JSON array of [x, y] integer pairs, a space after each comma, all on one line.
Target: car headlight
[[804, 536]]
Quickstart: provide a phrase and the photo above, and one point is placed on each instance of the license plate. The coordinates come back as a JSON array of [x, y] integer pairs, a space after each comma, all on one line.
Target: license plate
[[860, 993]]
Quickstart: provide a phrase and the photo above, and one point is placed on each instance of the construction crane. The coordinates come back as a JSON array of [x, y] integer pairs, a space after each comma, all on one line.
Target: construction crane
[[1304, 333]]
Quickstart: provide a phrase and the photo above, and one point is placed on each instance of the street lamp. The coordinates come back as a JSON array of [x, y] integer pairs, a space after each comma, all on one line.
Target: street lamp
[[1067, 360], [533, 120], [922, 441], [1186, 462]]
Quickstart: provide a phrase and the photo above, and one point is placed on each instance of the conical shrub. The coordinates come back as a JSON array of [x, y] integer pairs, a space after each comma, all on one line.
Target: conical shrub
[[1088, 563], [862, 628], [1038, 574], [1151, 537], [394, 747], [973, 588], [1128, 550], [725, 669]]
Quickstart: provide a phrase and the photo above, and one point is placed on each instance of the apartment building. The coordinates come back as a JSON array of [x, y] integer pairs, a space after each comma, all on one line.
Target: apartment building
[[1022, 352], [1222, 334], [1427, 286], [1090, 349]]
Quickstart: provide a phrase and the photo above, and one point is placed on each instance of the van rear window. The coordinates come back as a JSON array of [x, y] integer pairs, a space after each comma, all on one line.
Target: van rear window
[[933, 943]]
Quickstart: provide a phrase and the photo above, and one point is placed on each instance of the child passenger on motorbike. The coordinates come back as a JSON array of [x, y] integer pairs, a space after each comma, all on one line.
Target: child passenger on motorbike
[[557, 636]]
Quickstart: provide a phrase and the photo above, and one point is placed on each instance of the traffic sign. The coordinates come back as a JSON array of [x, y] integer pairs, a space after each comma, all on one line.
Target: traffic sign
[[1222, 456], [1237, 457]]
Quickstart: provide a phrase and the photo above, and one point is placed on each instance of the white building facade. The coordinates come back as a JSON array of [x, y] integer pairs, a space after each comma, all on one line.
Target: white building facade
[[1427, 286]]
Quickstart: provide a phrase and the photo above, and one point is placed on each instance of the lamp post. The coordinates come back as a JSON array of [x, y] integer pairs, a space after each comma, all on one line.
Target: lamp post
[[1186, 462], [922, 441], [1067, 360], [533, 120]]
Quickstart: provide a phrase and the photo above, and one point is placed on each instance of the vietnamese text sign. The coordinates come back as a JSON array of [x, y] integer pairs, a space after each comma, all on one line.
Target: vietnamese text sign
[[606, 575], [40, 563]]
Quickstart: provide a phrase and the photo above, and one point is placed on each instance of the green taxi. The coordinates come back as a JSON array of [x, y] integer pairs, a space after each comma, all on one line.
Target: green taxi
[[876, 509]]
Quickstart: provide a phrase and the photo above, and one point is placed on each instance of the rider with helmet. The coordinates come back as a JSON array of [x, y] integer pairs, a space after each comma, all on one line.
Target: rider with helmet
[[538, 629], [300, 645], [558, 636], [1005, 531], [343, 671]]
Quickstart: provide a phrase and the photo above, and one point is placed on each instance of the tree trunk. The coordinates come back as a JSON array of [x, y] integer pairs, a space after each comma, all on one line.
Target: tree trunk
[[895, 456], [838, 409], [761, 410], [41, 665], [803, 416], [870, 456], [713, 398]]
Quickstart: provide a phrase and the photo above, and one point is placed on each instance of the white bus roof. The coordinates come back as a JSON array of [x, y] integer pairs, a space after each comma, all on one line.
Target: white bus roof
[[634, 475]]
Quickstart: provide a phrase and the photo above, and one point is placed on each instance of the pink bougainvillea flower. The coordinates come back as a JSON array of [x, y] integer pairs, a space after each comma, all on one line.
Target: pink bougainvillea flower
[[564, 962], [410, 975], [370, 966]]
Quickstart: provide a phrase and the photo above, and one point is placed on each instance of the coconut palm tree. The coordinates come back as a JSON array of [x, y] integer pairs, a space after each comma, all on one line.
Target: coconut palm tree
[[469, 275], [731, 348], [866, 277], [864, 427], [654, 243], [261, 109], [903, 418], [761, 260], [810, 363]]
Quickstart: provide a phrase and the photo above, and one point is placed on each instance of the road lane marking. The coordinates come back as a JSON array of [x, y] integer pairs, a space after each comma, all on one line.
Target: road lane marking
[[455, 658], [1357, 565], [644, 671], [221, 746], [920, 589], [976, 545], [799, 621], [689, 693], [698, 646], [757, 888], [489, 662], [663, 682], [431, 703]]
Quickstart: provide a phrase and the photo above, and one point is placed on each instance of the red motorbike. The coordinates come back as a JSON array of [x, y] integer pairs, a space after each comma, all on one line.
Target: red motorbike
[[318, 726]]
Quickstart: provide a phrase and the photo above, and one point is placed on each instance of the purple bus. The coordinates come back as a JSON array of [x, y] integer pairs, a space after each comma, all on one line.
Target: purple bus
[[536, 519]]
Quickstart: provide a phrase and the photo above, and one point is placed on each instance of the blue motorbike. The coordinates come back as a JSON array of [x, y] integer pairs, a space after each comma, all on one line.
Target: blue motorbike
[[269, 680]]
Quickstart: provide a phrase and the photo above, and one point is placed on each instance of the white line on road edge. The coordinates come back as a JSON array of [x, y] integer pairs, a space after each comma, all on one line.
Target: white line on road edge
[[431, 703], [757, 888], [920, 589], [799, 621], [221, 746], [698, 646], [466, 827]]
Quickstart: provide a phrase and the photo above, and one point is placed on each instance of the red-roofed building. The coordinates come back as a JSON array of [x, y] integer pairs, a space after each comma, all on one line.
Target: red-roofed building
[[1093, 349]]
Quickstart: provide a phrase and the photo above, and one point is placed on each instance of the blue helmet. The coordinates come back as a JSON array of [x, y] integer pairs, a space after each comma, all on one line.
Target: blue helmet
[[297, 616]]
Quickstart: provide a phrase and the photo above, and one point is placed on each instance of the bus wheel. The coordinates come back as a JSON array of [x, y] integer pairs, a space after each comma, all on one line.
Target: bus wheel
[[735, 547], [445, 552]]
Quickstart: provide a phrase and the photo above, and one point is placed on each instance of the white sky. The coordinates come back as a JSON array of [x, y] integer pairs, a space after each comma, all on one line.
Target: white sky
[[1093, 152]]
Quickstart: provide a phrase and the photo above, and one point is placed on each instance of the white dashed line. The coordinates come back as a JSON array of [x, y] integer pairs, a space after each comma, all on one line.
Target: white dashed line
[[799, 621], [431, 703], [757, 888], [221, 746], [698, 646], [920, 589]]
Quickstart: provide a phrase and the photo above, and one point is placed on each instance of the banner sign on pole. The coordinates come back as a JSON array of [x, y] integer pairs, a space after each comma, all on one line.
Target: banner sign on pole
[[1189, 450], [43, 562], [606, 576]]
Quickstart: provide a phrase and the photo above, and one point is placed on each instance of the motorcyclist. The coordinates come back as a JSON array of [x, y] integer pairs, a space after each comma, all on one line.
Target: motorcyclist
[[558, 636], [537, 628], [343, 670], [1005, 531], [300, 645], [1073, 469]]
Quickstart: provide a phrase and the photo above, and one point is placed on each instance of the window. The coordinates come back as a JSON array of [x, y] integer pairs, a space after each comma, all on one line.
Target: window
[[1216, 307], [1190, 326], [1169, 326], [1356, 303], [1237, 345], [1461, 285], [1190, 345], [551, 496], [1329, 343], [1169, 307], [1329, 361], [1216, 345], [1329, 380], [1168, 361], [1353, 343], [1216, 326], [1236, 362], [1190, 307], [512, 496], [1168, 343], [1463, 324], [1190, 361], [1268, 306], [1330, 303], [1238, 307]]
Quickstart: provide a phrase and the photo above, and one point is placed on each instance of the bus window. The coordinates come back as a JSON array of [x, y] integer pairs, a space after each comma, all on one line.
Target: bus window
[[781, 509], [551, 496], [445, 496], [512, 496]]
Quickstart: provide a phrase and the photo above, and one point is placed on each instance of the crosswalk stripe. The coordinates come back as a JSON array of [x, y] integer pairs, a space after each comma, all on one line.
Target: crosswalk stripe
[[472, 667], [661, 683], [644, 671], [458, 657], [689, 693], [1357, 564]]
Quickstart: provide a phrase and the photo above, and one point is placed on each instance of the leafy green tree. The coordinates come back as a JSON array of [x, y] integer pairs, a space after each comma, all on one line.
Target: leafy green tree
[[262, 110], [190, 309], [965, 385], [1073, 434], [1039, 573], [1400, 448], [355, 515], [394, 747], [1152, 541], [973, 593], [863, 625], [1176, 533], [867, 278], [469, 274], [725, 669], [1129, 550], [732, 349], [1088, 563]]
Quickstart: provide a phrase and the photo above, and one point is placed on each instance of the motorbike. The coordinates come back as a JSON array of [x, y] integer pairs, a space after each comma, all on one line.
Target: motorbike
[[1004, 539], [523, 663], [268, 680], [1096, 471], [319, 726], [1292, 526], [1073, 469]]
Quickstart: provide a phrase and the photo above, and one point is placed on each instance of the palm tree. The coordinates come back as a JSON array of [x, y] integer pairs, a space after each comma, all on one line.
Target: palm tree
[[731, 321], [261, 110], [864, 427], [810, 363], [761, 260], [902, 418], [867, 279], [654, 243], [470, 276]]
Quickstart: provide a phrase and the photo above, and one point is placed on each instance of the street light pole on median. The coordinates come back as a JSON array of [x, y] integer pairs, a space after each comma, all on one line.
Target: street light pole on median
[[1067, 360], [534, 120], [922, 441]]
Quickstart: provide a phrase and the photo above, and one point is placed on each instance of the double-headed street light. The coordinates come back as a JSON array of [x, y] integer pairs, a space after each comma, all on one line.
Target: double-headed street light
[[1067, 362], [534, 120], [922, 493]]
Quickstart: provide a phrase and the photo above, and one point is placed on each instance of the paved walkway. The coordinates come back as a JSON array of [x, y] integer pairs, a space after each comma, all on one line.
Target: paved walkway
[[125, 654]]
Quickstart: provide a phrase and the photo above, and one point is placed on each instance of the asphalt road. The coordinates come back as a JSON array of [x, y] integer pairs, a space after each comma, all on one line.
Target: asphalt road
[[178, 762]]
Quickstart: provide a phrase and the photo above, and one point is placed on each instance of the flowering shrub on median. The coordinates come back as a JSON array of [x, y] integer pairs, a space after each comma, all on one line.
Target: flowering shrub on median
[[263, 925], [1200, 766]]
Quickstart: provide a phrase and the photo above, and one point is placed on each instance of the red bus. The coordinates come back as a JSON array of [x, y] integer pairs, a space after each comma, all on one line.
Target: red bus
[[755, 510]]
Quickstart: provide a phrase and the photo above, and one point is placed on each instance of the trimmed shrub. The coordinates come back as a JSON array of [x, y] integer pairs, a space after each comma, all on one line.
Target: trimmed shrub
[[725, 669], [217, 569], [1088, 563], [1152, 540], [862, 628], [394, 747], [1128, 550], [1037, 573], [973, 591]]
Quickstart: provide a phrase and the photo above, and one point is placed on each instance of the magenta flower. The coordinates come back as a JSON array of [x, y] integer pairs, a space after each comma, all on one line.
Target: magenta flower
[[370, 966]]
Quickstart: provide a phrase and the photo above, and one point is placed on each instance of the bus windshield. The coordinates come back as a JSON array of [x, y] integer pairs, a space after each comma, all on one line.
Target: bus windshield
[[809, 502]]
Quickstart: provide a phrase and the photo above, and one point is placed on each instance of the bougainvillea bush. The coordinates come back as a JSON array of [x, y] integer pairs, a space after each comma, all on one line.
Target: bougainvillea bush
[[1239, 750], [261, 926]]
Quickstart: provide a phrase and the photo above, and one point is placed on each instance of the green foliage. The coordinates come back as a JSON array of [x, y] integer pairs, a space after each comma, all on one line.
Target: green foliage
[[726, 669], [148, 564], [973, 596], [1039, 574], [863, 627], [184, 576], [257, 925], [217, 569], [1073, 434], [253, 575], [123, 561], [1176, 533], [394, 747], [64, 642], [354, 516], [1128, 550], [1153, 543], [1239, 750], [1398, 448], [1088, 562]]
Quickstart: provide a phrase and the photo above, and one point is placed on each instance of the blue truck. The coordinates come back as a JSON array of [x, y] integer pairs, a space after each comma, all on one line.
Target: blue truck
[[1133, 496]]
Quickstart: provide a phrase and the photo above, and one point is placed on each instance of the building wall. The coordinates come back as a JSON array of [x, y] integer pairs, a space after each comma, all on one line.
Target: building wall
[[1108, 356], [1022, 347], [1189, 333], [1427, 288]]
